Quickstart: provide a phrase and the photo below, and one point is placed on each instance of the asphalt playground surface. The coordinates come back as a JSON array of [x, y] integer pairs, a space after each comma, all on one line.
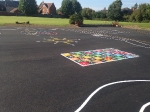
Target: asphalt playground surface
[[35, 77]]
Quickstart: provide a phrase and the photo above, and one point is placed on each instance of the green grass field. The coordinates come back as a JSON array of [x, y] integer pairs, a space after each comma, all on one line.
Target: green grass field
[[33, 20], [63, 22]]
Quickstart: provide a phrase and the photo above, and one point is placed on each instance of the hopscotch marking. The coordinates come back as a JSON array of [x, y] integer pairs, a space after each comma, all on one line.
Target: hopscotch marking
[[98, 56], [38, 32], [110, 84], [134, 42], [110, 34]]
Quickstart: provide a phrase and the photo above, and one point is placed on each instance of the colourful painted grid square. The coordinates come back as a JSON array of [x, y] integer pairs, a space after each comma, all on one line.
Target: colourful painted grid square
[[98, 56]]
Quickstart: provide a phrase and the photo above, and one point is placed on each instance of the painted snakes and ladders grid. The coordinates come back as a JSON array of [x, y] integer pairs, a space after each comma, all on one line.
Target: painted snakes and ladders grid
[[98, 56]]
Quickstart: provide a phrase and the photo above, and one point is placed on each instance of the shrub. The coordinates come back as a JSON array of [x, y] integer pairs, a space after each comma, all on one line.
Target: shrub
[[76, 18]]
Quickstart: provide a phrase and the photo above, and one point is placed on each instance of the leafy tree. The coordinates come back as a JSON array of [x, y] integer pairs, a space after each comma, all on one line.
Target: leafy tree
[[77, 8], [135, 6], [58, 10], [148, 11], [132, 18], [100, 14], [28, 7], [143, 11], [138, 16], [87, 13], [69, 7], [66, 8], [114, 10], [97, 14], [127, 11], [103, 15], [76, 18], [141, 14]]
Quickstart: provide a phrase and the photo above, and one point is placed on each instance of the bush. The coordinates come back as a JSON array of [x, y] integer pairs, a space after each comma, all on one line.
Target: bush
[[146, 21], [76, 18]]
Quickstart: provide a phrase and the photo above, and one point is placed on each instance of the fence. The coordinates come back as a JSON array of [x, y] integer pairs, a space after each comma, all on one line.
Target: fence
[[2, 13]]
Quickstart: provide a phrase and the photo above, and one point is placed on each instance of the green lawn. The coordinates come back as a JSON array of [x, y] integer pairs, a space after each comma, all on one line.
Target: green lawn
[[62, 22], [33, 20], [138, 25]]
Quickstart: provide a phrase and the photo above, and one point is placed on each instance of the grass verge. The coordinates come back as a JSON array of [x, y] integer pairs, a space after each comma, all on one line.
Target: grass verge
[[65, 22], [34, 20]]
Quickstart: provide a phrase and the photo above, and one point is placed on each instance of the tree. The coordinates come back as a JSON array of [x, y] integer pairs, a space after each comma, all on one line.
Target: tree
[[100, 14], [138, 15], [58, 10], [28, 7], [87, 13], [148, 11], [69, 7], [97, 14], [141, 14], [143, 11], [76, 18], [136, 6], [76, 6], [114, 10], [66, 8]]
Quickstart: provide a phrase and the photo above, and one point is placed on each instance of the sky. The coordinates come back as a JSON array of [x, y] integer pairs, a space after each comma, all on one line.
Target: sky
[[97, 4]]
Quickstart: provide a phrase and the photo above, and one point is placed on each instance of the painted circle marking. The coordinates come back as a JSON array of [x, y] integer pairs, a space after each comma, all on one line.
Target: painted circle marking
[[144, 107]]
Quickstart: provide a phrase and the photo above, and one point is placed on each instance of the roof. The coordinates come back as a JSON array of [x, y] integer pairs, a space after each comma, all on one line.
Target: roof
[[48, 5], [10, 4], [13, 10]]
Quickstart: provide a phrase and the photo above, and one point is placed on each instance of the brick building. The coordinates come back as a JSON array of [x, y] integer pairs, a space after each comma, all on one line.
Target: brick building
[[47, 8]]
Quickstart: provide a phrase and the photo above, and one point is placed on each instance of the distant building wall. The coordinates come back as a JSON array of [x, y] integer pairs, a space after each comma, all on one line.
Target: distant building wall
[[52, 10], [2, 7], [44, 10], [47, 8], [10, 4]]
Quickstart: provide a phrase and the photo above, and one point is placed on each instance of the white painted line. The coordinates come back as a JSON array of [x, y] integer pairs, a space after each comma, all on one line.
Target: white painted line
[[144, 107], [38, 41], [109, 84], [8, 29], [53, 29], [19, 27]]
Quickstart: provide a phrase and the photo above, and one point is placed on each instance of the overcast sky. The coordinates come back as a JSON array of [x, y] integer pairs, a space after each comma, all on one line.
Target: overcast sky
[[97, 4]]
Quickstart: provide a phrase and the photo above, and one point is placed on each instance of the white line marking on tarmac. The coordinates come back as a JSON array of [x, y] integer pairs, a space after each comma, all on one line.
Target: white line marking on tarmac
[[53, 29], [19, 28], [8, 29], [109, 84], [144, 107]]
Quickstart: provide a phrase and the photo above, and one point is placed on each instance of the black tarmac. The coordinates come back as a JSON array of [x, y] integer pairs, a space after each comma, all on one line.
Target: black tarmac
[[34, 77]]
